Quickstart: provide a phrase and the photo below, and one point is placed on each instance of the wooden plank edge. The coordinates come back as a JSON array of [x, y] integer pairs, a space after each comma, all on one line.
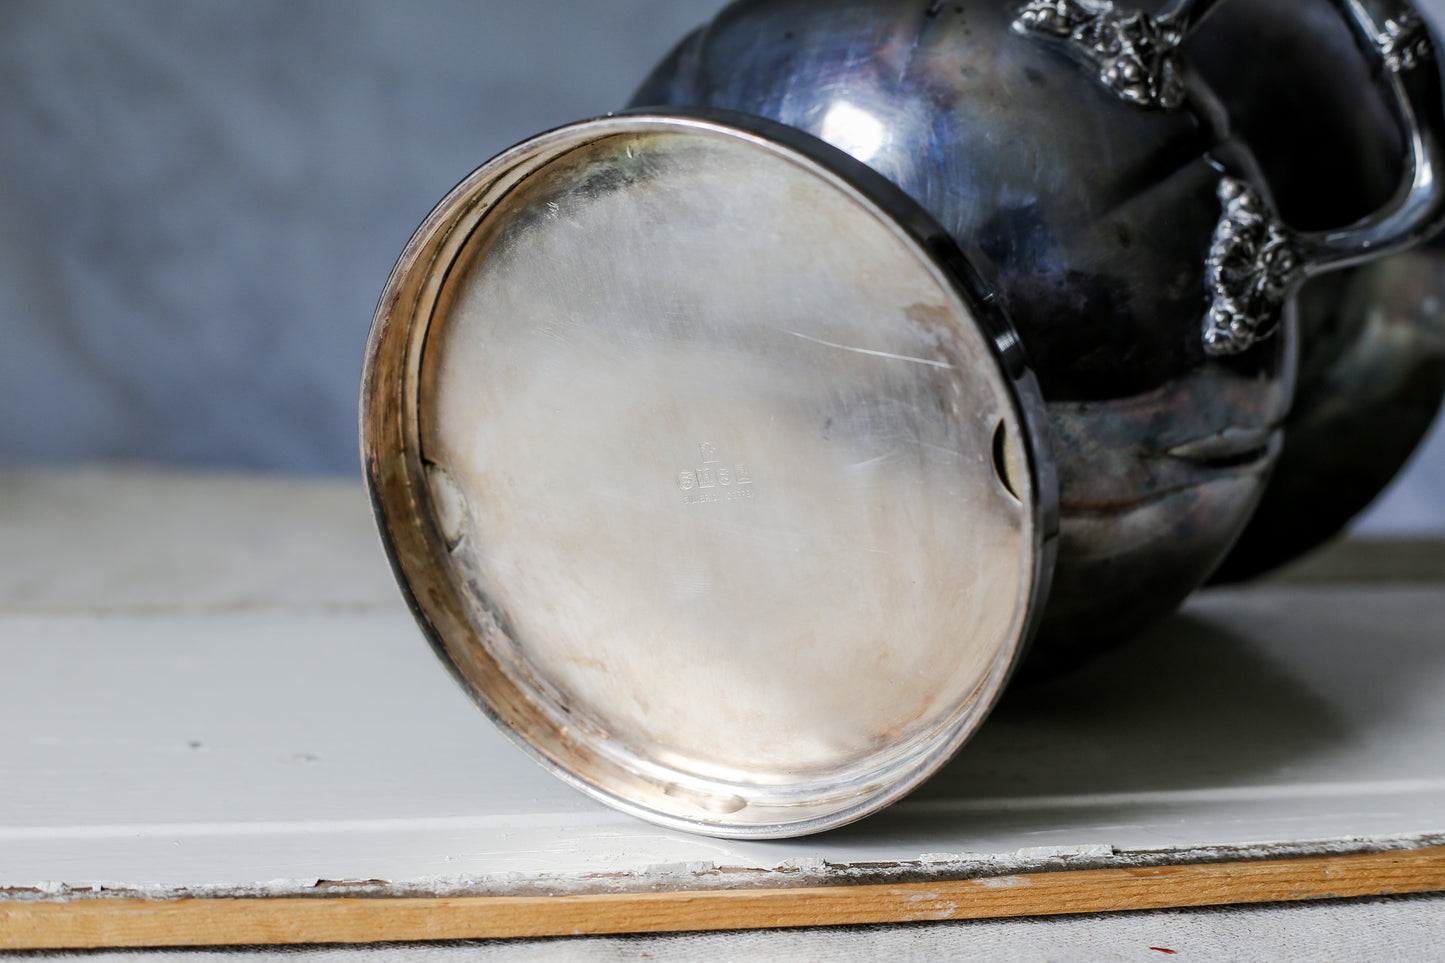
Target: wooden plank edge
[[100, 922]]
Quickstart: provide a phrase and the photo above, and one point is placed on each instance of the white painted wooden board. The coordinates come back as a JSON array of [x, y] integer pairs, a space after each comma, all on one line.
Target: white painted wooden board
[[237, 732], [137, 541]]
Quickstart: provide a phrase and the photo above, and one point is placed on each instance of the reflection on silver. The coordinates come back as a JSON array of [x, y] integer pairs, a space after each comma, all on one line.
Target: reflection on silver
[[1133, 52], [854, 130], [1253, 267], [1405, 42]]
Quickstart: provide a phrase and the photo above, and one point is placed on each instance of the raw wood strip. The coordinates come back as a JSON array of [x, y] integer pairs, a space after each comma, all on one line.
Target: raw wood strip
[[105, 922]]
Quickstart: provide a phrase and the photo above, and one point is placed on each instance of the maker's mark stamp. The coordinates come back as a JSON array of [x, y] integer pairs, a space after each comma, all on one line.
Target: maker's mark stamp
[[714, 479]]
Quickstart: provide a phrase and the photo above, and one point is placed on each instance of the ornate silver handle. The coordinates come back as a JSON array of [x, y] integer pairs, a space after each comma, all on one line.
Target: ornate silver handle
[[1255, 262], [1395, 39]]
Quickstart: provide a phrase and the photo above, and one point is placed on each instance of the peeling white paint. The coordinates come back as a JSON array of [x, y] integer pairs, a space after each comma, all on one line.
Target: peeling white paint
[[1311, 721]]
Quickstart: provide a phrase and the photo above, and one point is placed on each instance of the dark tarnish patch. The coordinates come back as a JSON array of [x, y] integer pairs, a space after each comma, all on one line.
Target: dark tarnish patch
[[1015, 236], [1080, 350]]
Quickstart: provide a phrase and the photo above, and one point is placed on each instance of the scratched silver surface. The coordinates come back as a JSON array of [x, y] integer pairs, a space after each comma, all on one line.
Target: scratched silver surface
[[719, 466]]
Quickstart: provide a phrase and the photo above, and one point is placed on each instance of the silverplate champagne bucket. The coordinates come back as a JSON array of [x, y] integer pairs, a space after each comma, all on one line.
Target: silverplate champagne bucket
[[731, 450]]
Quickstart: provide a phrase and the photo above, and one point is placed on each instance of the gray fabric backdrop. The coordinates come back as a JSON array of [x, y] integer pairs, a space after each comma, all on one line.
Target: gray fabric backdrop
[[199, 203]]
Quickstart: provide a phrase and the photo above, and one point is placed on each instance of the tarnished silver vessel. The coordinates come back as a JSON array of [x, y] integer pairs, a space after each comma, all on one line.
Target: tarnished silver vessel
[[724, 447], [1074, 149]]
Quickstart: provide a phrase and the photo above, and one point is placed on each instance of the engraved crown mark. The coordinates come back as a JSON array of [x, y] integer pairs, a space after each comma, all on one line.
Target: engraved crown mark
[[1134, 53]]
